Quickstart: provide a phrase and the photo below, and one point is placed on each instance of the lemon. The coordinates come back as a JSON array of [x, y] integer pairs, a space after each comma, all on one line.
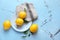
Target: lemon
[[22, 14], [7, 25], [34, 28], [19, 21]]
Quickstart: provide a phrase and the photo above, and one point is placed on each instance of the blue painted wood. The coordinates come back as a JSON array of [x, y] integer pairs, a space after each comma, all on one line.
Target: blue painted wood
[[48, 19]]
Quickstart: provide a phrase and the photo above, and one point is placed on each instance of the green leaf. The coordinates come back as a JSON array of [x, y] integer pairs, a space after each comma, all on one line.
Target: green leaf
[[26, 32], [25, 21], [24, 36]]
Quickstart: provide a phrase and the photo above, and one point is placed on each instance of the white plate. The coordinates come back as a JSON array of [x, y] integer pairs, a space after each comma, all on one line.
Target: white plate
[[23, 28]]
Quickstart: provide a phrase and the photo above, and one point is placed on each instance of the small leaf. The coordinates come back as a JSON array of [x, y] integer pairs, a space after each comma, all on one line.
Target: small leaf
[[29, 35], [23, 36], [26, 32], [25, 21]]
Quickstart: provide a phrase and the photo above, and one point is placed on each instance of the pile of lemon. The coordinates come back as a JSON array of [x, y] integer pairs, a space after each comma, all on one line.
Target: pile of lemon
[[21, 15], [20, 21]]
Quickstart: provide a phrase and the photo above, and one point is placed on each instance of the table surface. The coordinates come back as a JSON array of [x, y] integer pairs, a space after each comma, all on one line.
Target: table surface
[[48, 19]]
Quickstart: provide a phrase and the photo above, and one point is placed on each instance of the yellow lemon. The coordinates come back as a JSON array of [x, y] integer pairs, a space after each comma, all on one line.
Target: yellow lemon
[[19, 21], [7, 25], [34, 28], [22, 14]]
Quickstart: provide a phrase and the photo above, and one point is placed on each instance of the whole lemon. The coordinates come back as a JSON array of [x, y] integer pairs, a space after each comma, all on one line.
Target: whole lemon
[[19, 21], [6, 24], [34, 28], [22, 14]]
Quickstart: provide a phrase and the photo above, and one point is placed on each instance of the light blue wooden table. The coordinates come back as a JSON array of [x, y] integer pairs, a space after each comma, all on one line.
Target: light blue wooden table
[[48, 19]]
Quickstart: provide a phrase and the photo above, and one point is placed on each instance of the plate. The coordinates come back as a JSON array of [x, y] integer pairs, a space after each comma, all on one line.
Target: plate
[[23, 28]]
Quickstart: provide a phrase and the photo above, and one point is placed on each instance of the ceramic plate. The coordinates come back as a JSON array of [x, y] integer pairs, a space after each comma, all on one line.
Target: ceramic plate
[[23, 28]]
